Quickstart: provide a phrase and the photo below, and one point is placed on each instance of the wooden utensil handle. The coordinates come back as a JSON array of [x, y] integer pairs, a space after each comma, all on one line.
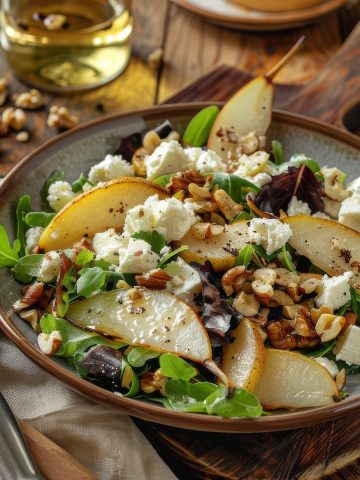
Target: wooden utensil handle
[[336, 89]]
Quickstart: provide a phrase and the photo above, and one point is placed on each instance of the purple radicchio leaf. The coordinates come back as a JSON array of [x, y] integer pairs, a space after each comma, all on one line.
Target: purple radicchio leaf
[[218, 316], [103, 363], [299, 182]]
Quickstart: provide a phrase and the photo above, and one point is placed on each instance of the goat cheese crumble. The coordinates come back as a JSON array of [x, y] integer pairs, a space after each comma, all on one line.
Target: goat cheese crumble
[[170, 217], [298, 207], [106, 246], [50, 267], [335, 291], [349, 213], [59, 195], [168, 157], [270, 233], [136, 256], [185, 282], [113, 166], [32, 237]]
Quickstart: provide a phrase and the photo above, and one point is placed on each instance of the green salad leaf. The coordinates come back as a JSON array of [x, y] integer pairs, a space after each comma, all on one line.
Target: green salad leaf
[[244, 256], [28, 267], [233, 185], [322, 351], [23, 207], [90, 281], [175, 367], [188, 397], [9, 255], [235, 403], [154, 238], [138, 356], [278, 152], [84, 257], [198, 130], [77, 186], [74, 340], [132, 381], [39, 219], [164, 179], [286, 259], [298, 160], [172, 255], [355, 303]]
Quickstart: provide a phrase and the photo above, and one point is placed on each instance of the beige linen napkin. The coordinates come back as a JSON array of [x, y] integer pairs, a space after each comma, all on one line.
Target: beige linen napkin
[[106, 442]]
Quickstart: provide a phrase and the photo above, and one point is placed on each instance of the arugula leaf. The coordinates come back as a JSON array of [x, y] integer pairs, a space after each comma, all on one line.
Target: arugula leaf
[[171, 255], [198, 130], [23, 207], [154, 238], [188, 397], [28, 267], [355, 303], [164, 179], [321, 351], [55, 176], [242, 216], [297, 162], [77, 186], [262, 253], [278, 153], [286, 259], [9, 255], [237, 403], [38, 219], [84, 256], [232, 184], [175, 367], [138, 356], [244, 256], [75, 340], [90, 281]]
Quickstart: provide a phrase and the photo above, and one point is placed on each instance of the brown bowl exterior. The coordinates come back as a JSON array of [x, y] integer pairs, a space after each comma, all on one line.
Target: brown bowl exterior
[[88, 144]]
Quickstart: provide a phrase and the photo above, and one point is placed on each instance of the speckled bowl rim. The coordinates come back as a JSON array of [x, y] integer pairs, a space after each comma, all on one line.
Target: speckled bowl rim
[[154, 413]]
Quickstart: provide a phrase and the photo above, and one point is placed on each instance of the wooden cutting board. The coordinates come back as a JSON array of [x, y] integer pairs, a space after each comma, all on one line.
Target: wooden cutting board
[[312, 453]]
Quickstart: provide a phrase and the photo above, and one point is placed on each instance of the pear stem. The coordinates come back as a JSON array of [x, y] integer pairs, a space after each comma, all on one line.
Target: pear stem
[[276, 68]]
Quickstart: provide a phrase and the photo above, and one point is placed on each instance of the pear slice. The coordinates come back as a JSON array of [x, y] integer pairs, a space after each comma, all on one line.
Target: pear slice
[[96, 210], [154, 319], [292, 380], [243, 360], [249, 110], [220, 249], [331, 246]]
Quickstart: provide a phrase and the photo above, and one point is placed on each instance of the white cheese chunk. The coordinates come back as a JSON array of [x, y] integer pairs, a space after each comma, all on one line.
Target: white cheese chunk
[[205, 161], [298, 207], [185, 282], [321, 215], [106, 246], [59, 195], [32, 237], [347, 347], [168, 157], [335, 291], [50, 267], [354, 186], [136, 256], [330, 365], [250, 165], [170, 217], [269, 233], [113, 166], [349, 213]]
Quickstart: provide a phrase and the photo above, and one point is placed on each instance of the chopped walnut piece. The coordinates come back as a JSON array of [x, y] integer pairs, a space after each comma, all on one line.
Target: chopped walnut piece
[[181, 181], [309, 286], [153, 280], [59, 117], [266, 275], [263, 291], [290, 311], [282, 335], [247, 305], [350, 319], [284, 277], [50, 343], [14, 118], [303, 325], [33, 317], [316, 312], [233, 279], [340, 379], [22, 137], [204, 230], [153, 381], [228, 207], [31, 295], [293, 290], [282, 298], [328, 326], [29, 100], [201, 192], [134, 293]]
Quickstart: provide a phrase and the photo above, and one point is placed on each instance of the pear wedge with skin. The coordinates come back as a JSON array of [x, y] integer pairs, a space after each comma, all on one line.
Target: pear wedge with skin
[[96, 210], [292, 380], [331, 246], [249, 110], [243, 360], [149, 318]]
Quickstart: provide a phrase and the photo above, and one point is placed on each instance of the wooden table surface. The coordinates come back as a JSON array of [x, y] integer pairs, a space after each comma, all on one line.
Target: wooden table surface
[[192, 47]]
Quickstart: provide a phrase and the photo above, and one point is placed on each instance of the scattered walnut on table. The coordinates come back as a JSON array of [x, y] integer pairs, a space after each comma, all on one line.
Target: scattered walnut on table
[[22, 136], [29, 100], [14, 118], [60, 117]]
